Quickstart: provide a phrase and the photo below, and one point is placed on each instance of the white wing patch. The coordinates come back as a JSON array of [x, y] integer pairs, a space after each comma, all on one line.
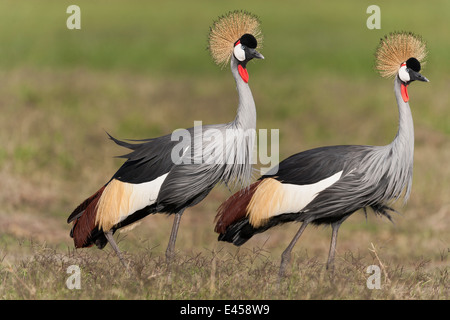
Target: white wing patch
[[297, 197], [121, 199], [142, 195], [273, 198]]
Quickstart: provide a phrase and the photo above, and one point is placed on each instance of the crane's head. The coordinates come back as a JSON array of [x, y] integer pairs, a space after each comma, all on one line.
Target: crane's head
[[400, 54], [409, 71], [244, 51], [235, 35]]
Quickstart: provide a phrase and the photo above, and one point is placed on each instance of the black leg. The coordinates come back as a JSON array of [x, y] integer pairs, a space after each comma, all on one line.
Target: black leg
[[335, 228], [286, 256], [110, 238], [170, 251]]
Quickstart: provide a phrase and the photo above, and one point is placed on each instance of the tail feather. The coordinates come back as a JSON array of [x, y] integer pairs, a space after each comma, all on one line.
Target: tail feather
[[83, 218], [238, 233], [235, 208], [234, 217]]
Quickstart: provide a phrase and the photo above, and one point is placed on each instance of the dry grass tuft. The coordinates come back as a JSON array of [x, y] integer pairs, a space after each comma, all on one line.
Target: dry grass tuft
[[215, 274]]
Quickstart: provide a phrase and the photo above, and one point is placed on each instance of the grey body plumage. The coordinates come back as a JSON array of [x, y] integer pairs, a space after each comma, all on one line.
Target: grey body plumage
[[225, 156], [373, 176]]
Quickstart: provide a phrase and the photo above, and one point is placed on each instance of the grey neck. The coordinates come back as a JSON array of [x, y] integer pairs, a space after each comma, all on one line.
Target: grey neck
[[402, 148], [246, 112], [405, 134]]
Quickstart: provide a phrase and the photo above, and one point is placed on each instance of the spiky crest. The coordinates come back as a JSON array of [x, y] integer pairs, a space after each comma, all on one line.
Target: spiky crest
[[396, 48], [227, 30]]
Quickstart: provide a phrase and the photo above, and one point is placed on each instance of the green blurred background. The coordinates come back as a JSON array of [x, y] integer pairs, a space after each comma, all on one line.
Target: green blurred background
[[169, 37], [140, 69]]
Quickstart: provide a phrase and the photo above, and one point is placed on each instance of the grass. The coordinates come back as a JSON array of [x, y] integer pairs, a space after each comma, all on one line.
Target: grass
[[213, 275], [141, 71]]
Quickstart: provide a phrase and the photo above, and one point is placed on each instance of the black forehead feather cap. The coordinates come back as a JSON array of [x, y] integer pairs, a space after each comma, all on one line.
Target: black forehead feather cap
[[413, 63], [249, 41]]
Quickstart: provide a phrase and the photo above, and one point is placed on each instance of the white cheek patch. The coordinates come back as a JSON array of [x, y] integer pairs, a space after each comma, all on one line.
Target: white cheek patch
[[239, 53], [403, 74]]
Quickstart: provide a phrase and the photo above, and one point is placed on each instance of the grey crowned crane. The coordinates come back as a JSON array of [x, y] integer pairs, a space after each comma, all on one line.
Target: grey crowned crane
[[326, 185], [156, 178]]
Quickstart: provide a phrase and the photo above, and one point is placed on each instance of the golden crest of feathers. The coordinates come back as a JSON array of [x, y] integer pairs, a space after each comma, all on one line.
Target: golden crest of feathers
[[395, 48], [227, 30]]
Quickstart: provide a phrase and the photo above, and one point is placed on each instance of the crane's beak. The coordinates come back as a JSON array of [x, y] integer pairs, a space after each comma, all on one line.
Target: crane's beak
[[255, 54], [417, 76]]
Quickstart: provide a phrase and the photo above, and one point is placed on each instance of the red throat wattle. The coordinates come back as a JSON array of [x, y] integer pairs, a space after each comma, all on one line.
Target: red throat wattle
[[243, 72], [404, 92]]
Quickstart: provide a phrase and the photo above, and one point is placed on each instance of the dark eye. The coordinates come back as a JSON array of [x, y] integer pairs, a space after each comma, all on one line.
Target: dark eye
[[243, 47], [407, 70]]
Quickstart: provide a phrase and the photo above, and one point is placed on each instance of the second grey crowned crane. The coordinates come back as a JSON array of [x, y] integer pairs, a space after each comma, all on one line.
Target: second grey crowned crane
[[152, 180], [326, 185]]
